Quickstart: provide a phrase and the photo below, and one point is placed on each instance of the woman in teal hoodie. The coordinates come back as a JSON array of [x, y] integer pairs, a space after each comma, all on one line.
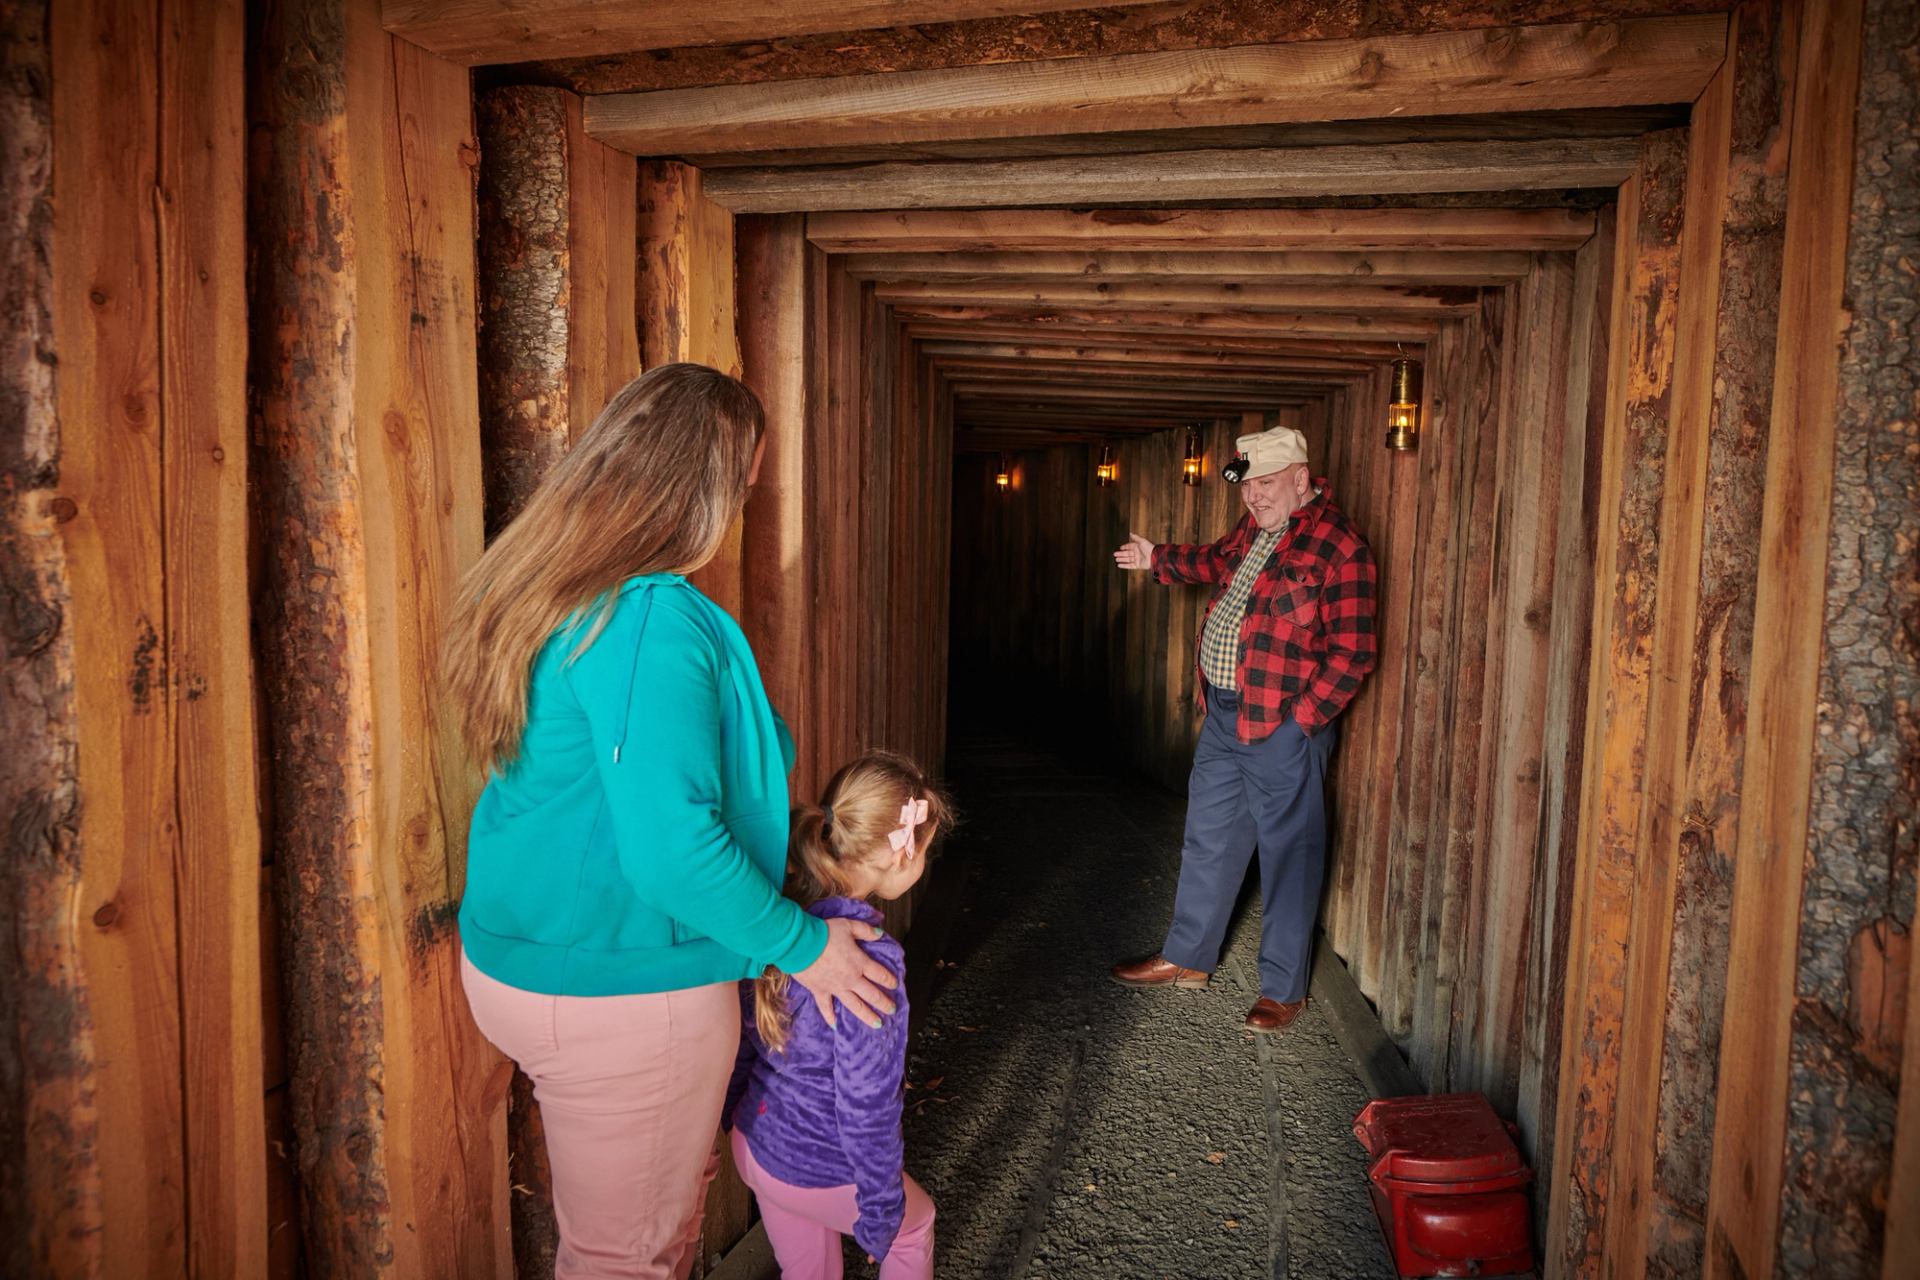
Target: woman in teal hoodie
[[626, 856]]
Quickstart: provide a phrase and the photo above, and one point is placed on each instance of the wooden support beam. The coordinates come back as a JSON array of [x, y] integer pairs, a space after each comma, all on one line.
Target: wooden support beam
[[1630, 493], [1147, 344], [687, 307], [1530, 68], [365, 402], [1044, 320], [1133, 358], [472, 32], [1382, 267], [558, 337], [1548, 164], [1235, 299], [1209, 230]]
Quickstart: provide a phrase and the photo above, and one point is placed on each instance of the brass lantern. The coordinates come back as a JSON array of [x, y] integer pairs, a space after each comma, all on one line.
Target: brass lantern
[[1190, 466], [1403, 411], [1105, 472], [1003, 476]]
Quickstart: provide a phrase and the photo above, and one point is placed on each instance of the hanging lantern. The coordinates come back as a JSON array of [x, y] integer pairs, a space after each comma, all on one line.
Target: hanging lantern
[[1105, 472], [1190, 468], [1003, 477], [1403, 413]]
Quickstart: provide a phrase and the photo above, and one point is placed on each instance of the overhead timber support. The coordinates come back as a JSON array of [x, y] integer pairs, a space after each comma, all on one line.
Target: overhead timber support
[[1520, 68]]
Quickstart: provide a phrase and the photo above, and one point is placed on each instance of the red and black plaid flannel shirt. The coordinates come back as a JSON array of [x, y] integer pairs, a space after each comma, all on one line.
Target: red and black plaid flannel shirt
[[1308, 638]]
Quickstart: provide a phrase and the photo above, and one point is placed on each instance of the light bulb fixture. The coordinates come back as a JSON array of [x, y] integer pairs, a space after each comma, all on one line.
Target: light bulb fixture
[[1105, 472], [1190, 466], [1403, 411], [1003, 477]]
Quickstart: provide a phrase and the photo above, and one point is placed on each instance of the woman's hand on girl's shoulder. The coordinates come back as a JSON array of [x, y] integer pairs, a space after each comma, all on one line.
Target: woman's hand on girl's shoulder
[[845, 972]]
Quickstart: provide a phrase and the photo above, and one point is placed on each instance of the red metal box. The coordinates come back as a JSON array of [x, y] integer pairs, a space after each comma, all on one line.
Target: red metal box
[[1448, 1186]]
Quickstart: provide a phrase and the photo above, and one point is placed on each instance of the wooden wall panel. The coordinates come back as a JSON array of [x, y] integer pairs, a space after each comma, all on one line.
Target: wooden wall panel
[[363, 365], [133, 1118]]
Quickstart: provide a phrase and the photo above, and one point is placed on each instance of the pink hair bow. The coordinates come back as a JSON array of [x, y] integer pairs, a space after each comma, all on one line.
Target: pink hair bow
[[912, 814]]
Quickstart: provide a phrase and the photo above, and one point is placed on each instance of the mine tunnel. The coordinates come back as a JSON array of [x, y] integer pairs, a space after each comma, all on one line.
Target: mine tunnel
[[1592, 317]]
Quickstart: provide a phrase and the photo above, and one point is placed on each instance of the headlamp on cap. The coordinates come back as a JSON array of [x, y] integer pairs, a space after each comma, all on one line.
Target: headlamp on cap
[[1236, 471]]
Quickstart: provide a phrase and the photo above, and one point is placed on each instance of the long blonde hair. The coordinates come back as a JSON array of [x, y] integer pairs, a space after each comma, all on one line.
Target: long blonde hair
[[848, 827], [650, 487]]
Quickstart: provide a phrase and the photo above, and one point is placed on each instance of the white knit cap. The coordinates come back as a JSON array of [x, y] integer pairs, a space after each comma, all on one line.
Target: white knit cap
[[1269, 451]]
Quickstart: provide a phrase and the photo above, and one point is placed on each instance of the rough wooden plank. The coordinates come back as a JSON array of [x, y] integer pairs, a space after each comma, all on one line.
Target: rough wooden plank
[[687, 308], [1172, 25], [603, 338], [483, 31], [1539, 1101], [1355, 299], [1744, 1233], [1524, 68], [203, 412], [1249, 173], [1337, 267], [112, 478], [1863, 826], [1639, 386], [1046, 320], [363, 364], [1503, 930], [1211, 230]]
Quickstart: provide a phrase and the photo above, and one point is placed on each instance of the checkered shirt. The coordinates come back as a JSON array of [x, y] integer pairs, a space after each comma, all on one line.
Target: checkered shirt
[[1220, 636], [1306, 635]]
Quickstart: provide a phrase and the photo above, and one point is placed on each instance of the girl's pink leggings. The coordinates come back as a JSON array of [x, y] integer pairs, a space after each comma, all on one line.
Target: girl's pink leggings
[[804, 1225], [630, 1090]]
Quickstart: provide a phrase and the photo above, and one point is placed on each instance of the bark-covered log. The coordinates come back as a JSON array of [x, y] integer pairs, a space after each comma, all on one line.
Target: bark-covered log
[[1752, 234], [1863, 837], [525, 290], [49, 1194], [368, 492]]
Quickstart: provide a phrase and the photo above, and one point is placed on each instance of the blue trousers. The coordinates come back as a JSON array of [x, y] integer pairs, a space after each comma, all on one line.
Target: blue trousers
[[1269, 795]]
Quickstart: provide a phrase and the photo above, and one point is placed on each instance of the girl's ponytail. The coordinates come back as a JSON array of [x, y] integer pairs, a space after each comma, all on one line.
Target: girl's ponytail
[[810, 859]]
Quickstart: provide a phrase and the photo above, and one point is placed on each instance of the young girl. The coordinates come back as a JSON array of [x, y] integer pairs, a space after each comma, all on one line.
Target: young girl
[[815, 1110]]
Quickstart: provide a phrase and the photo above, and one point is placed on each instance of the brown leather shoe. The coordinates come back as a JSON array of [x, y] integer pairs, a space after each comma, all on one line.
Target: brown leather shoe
[[1156, 971], [1270, 1015]]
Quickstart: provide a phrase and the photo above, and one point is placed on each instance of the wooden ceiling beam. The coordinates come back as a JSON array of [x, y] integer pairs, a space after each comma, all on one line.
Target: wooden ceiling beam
[[1351, 299], [1547, 164], [1613, 122], [1081, 373], [1124, 344], [1039, 320], [1147, 360], [920, 231], [1387, 266], [473, 32], [1559, 66]]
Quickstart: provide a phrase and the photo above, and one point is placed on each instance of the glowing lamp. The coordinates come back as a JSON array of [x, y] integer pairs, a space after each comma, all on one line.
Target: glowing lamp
[[1105, 473], [1190, 466], [1403, 412], [1003, 477]]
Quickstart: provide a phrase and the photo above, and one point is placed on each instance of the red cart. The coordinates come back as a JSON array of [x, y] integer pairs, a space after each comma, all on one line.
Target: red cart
[[1448, 1186]]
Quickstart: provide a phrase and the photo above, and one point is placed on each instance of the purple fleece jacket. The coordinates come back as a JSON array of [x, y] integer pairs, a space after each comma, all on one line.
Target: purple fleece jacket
[[825, 1111]]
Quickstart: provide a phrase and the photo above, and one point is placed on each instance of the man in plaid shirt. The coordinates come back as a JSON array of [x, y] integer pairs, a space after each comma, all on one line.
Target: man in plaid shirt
[[1284, 646]]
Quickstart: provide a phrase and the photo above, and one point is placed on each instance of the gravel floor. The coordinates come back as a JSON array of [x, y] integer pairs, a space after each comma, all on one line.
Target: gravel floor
[[1066, 1126]]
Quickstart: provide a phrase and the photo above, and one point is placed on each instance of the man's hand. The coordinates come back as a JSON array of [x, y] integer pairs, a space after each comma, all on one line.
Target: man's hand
[[1136, 554]]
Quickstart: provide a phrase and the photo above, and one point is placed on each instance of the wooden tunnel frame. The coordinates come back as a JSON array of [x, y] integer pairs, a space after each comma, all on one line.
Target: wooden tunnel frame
[[253, 347]]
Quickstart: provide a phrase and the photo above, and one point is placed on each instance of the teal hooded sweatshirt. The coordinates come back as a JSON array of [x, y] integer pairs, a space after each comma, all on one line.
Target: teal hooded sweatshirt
[[638, 841]]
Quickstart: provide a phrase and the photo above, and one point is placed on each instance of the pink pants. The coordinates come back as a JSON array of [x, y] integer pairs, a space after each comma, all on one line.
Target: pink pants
[[804, 1225], [630, 1090]]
